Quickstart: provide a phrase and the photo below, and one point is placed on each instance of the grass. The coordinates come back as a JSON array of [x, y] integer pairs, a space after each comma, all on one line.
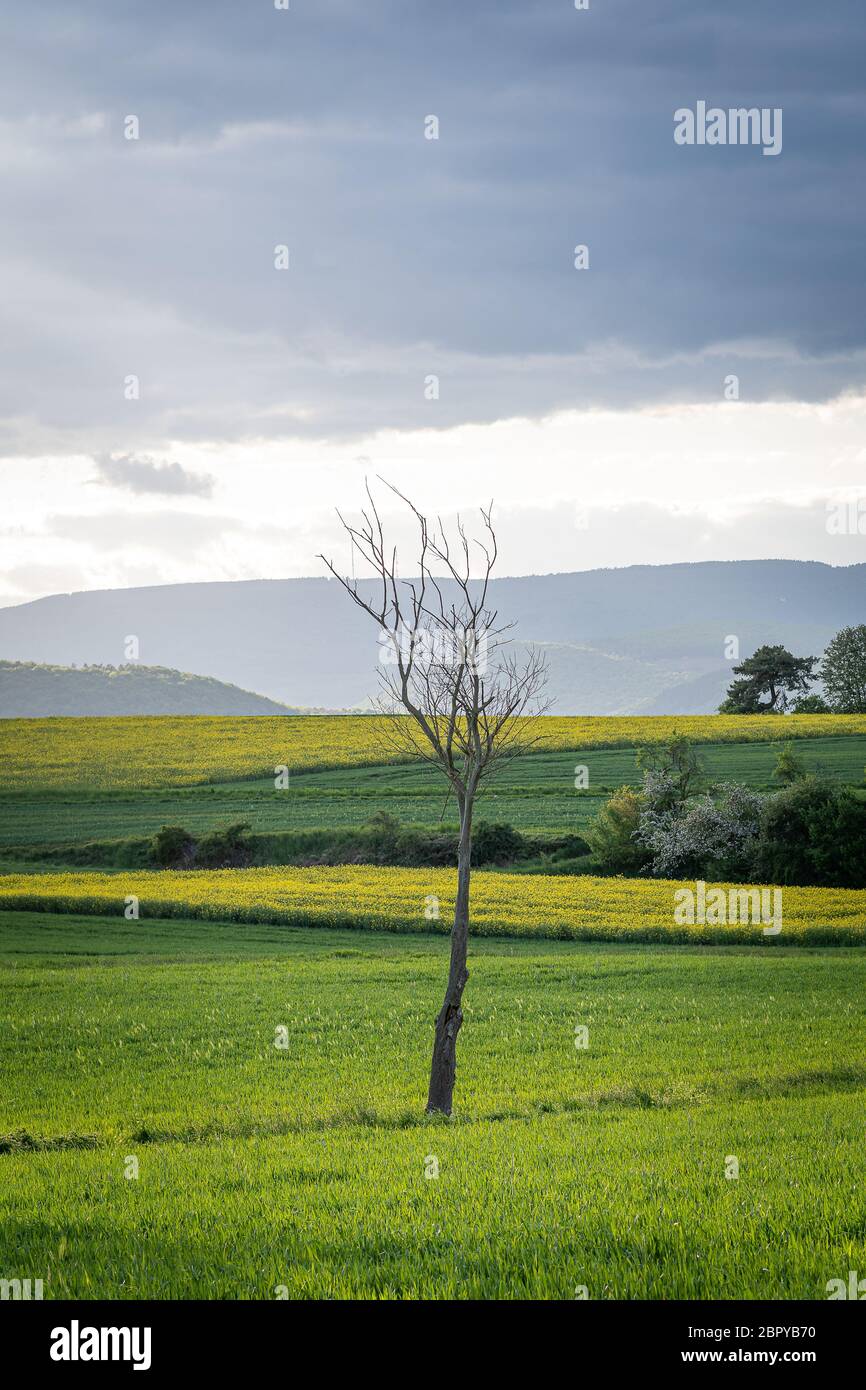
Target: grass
[[535, 793], [304, 1168], [163, 751], [264, 1169]]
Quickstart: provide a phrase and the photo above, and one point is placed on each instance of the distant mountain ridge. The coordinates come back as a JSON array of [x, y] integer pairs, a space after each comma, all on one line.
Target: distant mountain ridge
[[28, 690], [643, 639]]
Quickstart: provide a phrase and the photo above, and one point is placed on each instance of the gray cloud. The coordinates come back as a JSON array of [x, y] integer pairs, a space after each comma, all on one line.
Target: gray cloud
[[144, 475], [412, 257]]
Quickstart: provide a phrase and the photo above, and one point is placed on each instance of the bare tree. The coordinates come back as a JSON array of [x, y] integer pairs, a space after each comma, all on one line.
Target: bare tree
[[446, 662]]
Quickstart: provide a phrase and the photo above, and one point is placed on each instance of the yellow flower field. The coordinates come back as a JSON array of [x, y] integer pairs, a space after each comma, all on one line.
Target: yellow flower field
[[406, 900], [169, 751]]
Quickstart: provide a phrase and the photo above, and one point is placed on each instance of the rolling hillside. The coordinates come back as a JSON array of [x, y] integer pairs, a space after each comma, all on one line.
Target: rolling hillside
[[28, 690], [643, 639]]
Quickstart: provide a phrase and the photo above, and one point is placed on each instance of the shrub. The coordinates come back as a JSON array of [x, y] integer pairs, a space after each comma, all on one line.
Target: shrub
[[227, 848], [672, 772], [496, 844], [383, 831], [171, 846], [611, 837], [568, 847], [789, 768], [813, 832], [812, 704], [711, 837]]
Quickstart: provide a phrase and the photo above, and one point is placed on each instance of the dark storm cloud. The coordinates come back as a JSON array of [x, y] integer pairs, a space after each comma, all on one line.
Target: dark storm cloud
[[409, 257]]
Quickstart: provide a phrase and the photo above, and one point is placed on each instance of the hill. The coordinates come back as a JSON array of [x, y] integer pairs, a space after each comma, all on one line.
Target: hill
[[646, 638], [28, 689]]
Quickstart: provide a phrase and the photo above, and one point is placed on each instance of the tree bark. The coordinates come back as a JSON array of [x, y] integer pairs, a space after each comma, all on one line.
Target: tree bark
[[443, 1070]]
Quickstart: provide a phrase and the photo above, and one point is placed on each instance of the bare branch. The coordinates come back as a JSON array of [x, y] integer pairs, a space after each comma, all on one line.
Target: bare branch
[[447, 663]]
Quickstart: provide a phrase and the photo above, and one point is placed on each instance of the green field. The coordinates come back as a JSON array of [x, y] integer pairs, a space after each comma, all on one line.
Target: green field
[[264, 1169], [304, 1168], [534, 793]]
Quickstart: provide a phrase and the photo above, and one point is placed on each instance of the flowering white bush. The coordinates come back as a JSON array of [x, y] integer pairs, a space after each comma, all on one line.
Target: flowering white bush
[[714, 834]]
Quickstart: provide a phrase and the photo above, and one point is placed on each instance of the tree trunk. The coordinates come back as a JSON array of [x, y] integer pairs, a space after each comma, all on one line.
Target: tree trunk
[[443, 1070]]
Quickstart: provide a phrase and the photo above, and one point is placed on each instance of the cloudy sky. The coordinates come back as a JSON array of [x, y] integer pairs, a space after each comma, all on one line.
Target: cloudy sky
[[174, 405]]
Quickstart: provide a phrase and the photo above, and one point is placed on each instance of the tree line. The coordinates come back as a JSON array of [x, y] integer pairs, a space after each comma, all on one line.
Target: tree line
[[773, 681]]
